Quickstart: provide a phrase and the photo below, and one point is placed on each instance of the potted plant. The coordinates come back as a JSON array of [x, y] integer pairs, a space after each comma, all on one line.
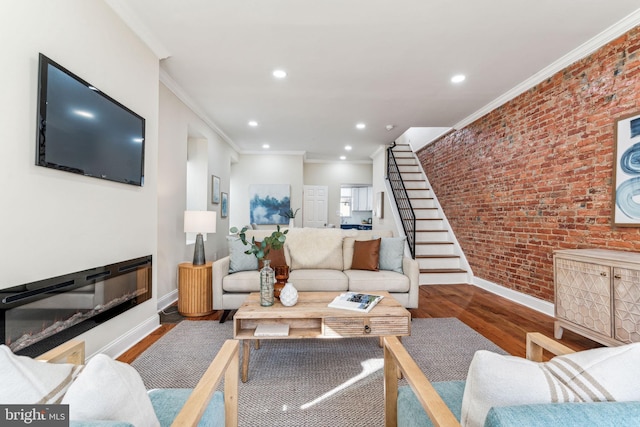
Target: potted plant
[[290, 215], [267, 276]]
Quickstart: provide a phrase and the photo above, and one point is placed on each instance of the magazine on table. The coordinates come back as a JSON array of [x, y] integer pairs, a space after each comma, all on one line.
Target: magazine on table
[[355, 301]]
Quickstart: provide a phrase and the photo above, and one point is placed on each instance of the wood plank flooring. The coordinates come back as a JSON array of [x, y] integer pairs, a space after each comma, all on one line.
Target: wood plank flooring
[[502, 321]]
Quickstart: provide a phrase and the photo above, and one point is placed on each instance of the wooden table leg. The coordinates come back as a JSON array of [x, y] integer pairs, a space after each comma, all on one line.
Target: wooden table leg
[[246, 349]]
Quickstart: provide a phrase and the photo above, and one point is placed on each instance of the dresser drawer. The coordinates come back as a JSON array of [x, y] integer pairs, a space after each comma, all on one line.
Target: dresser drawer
[[359, 326]]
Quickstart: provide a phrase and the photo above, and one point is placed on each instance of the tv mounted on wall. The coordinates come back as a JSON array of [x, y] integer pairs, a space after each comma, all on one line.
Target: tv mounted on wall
[[85, 131]]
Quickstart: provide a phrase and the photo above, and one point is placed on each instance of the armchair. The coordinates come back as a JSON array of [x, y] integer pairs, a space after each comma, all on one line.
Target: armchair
[[178, 407], [423, 403]]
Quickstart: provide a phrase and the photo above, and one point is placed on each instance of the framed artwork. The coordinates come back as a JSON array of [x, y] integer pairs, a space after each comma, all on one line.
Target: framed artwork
[[379, 204], [224, 205], [267, 203], [215, 189], [626, 191]]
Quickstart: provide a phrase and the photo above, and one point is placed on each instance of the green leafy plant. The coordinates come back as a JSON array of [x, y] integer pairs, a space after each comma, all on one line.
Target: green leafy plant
[[290, 214], [275, 241]]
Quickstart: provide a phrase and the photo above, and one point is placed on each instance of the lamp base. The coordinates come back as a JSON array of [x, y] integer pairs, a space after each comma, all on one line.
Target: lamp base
[[198, 253]]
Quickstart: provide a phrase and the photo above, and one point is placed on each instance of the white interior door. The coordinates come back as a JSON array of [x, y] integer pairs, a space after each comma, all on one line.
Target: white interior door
[[315, 207]]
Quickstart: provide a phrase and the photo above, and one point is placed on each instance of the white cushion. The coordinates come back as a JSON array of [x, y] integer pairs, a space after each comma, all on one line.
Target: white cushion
[[238, 259], [112, 391], [26, 381], [382, 280], [319, 280], [391, 253], [602, 374], [315, 248]]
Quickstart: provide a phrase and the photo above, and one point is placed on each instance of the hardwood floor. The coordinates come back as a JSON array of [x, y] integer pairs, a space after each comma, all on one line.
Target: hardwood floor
[[498, 319]]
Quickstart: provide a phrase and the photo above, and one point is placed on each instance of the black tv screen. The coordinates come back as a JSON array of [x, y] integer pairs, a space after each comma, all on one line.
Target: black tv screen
[[85, 131]]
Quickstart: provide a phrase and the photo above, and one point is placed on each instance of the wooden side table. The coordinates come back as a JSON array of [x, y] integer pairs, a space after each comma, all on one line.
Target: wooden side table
[[195, 294]]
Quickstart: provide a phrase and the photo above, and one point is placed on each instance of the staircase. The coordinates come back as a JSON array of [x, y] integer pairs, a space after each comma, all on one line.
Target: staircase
[[436, 249]]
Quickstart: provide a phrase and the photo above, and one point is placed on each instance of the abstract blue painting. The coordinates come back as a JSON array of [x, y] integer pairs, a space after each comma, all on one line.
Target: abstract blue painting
[[267, 202]]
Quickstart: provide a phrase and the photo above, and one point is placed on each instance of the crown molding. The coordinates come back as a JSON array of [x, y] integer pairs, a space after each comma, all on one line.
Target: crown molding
[[606, 36], [177, 90], [126, 13]]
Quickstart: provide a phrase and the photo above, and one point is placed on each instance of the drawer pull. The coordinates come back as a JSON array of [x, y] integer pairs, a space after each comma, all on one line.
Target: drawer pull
[[603, 274], [617, 276], [367, 329]]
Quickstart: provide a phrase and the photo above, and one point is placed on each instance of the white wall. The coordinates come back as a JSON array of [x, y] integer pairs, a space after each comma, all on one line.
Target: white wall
[[387, 222], [333, 175], [263, 169], [54, 222], [177, 125]]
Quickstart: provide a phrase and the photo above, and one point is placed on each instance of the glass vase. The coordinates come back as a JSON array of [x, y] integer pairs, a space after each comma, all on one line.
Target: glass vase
[[267, 280]]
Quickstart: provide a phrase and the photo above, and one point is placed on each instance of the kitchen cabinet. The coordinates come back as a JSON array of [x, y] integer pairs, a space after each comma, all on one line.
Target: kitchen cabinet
[[597, 294], [361, 198]]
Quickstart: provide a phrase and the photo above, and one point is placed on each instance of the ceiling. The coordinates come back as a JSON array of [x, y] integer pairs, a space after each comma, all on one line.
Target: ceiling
[[378, 62]]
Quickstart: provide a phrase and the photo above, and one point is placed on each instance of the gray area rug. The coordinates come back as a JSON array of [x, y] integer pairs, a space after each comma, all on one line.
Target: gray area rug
[[329, 382]]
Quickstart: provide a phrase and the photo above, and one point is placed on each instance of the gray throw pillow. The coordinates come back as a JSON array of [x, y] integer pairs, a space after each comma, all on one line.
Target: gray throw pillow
[[391, 253], [238, 260]]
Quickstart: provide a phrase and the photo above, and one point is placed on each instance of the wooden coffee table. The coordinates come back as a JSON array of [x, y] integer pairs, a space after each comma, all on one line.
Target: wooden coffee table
[[312, 318]]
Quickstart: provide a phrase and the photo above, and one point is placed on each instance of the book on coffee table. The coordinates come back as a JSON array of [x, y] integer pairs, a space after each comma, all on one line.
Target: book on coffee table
[[355, 301], [272, 330]]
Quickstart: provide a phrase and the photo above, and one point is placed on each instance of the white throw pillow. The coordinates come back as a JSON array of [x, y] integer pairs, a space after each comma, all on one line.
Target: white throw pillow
[[26, 381], [112, 391], [602, 374]]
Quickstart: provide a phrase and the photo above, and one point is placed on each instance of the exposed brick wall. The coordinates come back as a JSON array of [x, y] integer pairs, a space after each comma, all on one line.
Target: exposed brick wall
[[536, 174]]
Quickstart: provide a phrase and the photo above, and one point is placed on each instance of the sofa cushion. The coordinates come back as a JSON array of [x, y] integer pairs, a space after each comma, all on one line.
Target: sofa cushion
[[366, 255], [238, 259], [315, 248], [602, 374], [390, 281], [25, 380], [319, 280], [110, 390], [412, 414], [391, 253], [168, 402], [243, 281]]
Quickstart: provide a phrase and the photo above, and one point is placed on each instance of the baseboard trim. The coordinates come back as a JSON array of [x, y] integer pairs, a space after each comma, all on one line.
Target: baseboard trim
[[167, 300], [128, 340], [534, 303]]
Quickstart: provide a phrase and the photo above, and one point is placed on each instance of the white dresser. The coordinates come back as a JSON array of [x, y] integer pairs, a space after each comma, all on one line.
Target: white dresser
[[597, 294]]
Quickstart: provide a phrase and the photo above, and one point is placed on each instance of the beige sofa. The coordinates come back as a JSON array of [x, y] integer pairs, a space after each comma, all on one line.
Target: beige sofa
[[319, 260]]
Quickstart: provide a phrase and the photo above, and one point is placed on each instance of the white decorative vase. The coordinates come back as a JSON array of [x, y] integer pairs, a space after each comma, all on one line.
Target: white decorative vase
[[289, 295], [291, 222]]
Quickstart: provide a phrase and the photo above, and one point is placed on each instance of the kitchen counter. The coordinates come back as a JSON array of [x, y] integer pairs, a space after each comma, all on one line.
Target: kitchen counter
[[355, 226]]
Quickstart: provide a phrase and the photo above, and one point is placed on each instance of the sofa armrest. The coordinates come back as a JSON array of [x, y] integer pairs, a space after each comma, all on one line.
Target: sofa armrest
[[397, 358], [220, 270], [411, 269], [537, 343], [227, 364]]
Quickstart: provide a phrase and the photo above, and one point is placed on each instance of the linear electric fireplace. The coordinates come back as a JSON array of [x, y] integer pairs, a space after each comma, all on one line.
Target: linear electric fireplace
[[38, 316]]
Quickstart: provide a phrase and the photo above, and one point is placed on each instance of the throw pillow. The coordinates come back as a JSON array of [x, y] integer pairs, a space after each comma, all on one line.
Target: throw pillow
[[602, 374], [391, 253], [112, 391], [275, 255], [29, 381], [366, 255], [238, 260]]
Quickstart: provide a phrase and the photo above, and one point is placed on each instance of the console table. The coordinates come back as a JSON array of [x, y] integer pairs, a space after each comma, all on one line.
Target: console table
[[597, 294], [195, 294]]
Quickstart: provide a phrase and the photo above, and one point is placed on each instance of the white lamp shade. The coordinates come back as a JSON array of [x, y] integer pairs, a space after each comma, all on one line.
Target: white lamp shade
[[199, 222]]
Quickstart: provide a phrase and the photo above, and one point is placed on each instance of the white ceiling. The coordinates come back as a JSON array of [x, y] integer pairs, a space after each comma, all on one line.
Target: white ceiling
[[379, 62]]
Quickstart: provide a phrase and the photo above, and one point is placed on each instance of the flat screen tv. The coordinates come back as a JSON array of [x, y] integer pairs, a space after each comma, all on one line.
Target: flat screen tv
[[85, 131]]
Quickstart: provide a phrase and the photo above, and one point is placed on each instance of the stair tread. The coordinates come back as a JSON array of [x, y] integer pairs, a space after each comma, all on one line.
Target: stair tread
[[434, 243], [442, 270], [437, 256]]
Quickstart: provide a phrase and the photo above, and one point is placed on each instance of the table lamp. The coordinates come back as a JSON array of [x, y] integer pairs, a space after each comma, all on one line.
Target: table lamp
[[199, 222]]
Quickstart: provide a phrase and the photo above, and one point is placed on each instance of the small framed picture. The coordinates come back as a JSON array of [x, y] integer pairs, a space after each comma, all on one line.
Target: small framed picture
[[224, 207], [215, 189], [626, 172]]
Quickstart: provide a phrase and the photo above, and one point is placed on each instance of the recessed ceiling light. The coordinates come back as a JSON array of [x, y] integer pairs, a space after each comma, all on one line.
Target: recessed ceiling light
[[361, 126], [279, 74], [253, 123], [347, 147], [265, 145], [458, 78], [343, 157]]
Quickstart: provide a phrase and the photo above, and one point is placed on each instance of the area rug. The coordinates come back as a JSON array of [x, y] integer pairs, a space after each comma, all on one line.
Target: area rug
[[329, 382]]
